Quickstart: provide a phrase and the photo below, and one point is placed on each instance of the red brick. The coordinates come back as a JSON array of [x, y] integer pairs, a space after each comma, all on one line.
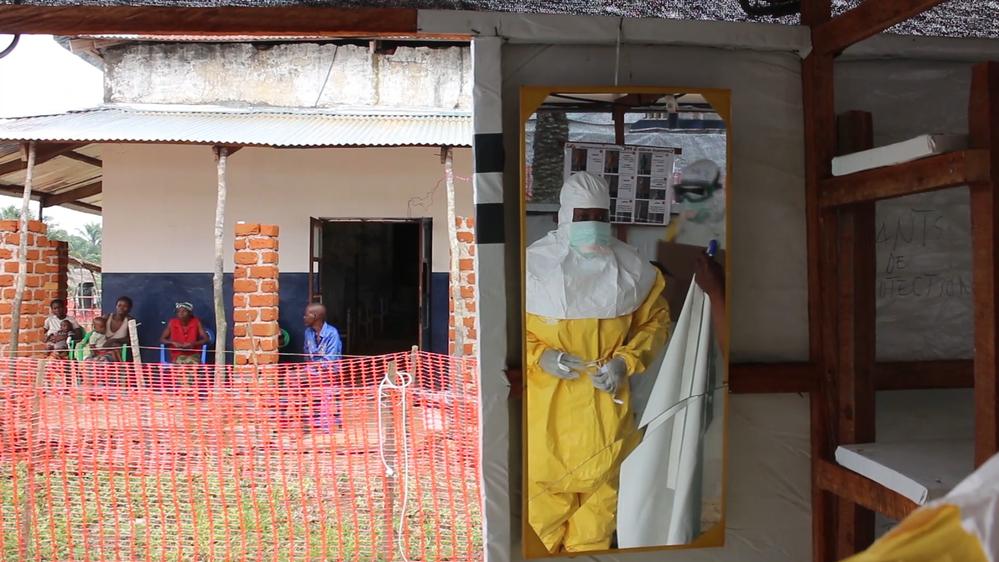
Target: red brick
[[267, 357], [6, 254], [269, 286], [263, 300], [470, 279], [241, 359], [270, 229], [240, 244], [268, 257], [469, 349], [37, 226], [8, 226], [242, 344], [469, 322], [246, 258], [7, 280], [8, 293], [268, 314], [268, 344], [471, 334], [470, 250], [244, 315], [34, 281], [239, 301], [6, 307], [239, 330], [263, 243], [10, 267], [247, 228], [470, 306], [466, 237], [264, 272], [265, 328], [467, 292], [245, 285], [470, 222], [466, 264]]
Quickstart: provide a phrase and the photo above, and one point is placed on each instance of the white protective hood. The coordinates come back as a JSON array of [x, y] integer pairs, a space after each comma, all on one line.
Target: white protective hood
[[565, 285]]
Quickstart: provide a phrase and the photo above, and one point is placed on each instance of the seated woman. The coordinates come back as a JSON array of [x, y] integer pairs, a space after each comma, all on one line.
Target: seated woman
[[184, 335]]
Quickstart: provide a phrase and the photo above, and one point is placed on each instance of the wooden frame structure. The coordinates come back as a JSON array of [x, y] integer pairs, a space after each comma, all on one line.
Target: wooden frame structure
[[841, 275]]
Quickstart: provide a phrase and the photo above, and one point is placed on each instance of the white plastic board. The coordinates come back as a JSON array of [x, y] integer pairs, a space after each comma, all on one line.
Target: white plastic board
[[897, 153], [920, 470]]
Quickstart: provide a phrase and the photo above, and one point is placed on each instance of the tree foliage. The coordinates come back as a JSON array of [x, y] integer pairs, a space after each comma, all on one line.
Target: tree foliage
[[84, 244]]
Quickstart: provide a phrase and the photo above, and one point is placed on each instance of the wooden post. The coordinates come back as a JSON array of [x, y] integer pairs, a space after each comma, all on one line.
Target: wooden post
[[447, 158], [983, 120], [221, 156], [133, 340], [22, 251], [817, 93], [28, 498], [856, 262], [391, 460]]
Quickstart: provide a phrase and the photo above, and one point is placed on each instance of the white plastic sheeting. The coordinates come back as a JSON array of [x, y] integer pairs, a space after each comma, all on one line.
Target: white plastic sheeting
[[767, 496], [767, 490], [660, 497]]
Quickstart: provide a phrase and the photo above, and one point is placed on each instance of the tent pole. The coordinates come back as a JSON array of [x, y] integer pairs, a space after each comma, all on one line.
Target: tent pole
[[454, 281], [22, 251], [221, 158]]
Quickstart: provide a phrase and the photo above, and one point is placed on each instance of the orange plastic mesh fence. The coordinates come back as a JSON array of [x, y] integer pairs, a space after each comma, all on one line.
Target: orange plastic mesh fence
[[332, 461]]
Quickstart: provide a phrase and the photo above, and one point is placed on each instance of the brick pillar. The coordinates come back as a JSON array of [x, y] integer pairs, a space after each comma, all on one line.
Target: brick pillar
[[466, 306], [34, 307], [57, 257], [255, 294]]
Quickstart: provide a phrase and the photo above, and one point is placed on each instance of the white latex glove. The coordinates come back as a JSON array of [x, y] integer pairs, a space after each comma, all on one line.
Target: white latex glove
[[610, 377], [560, 364]]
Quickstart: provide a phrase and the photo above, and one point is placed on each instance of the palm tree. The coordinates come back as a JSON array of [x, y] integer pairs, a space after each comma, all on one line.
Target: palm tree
[[85, 244]]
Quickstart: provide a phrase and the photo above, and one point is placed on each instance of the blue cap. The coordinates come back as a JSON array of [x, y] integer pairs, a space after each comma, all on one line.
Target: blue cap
[[712, 248]]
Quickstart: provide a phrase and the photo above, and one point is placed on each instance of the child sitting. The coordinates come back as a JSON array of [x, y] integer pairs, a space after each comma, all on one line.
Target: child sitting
[[57, 343], [96, 348]]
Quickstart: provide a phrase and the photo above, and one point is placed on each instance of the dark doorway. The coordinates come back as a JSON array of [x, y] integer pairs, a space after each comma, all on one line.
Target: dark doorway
[[374, 277]]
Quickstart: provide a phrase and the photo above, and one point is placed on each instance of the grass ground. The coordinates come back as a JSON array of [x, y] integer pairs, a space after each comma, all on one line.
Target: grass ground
[[181, 479], [178, 517]]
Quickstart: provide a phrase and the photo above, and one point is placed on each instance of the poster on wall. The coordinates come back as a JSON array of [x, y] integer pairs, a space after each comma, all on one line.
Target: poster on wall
[[640, 178]]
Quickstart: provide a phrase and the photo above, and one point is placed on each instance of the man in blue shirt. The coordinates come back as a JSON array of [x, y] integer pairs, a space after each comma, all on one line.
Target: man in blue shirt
[[323, 348], [322, 341]]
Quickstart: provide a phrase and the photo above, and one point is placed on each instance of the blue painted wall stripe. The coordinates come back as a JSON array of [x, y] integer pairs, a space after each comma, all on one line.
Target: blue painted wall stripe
[[154, 295]]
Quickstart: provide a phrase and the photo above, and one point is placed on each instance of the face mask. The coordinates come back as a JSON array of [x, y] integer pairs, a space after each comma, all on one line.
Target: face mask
[[589, 237]]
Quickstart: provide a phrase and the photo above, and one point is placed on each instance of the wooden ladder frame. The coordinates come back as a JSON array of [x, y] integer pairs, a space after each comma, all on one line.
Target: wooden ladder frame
[[841, 274]]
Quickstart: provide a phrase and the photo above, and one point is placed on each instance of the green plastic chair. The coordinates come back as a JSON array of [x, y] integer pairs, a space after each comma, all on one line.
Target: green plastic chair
[[76, 352]]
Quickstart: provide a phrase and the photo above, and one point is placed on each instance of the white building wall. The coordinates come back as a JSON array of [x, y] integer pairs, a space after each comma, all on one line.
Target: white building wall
[[159, 200]]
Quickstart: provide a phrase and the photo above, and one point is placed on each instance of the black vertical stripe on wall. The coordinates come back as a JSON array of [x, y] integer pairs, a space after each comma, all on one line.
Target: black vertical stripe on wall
[[489, 156], [489, 223]]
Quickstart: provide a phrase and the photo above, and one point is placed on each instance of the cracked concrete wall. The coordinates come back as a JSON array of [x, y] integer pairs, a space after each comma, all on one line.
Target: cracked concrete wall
[[288, 75]]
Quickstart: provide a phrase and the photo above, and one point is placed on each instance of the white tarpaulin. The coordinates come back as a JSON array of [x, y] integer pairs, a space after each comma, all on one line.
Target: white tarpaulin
[[660, 495]]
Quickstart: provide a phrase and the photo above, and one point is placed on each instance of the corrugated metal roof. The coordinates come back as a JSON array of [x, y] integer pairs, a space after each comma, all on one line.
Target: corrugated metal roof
[[251, 127]]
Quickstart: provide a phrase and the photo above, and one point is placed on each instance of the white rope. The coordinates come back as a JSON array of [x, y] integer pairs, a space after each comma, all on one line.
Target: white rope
[[405, 380]]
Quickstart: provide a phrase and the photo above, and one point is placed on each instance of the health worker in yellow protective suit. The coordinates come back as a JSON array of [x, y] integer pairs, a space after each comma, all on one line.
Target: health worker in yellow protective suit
[[595, 316]]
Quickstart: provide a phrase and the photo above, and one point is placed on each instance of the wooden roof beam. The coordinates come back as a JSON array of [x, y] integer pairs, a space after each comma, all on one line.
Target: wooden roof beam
[[278, 21], [866, 20], [75, 194], [45, 152], [73, 155], [18, 191]]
